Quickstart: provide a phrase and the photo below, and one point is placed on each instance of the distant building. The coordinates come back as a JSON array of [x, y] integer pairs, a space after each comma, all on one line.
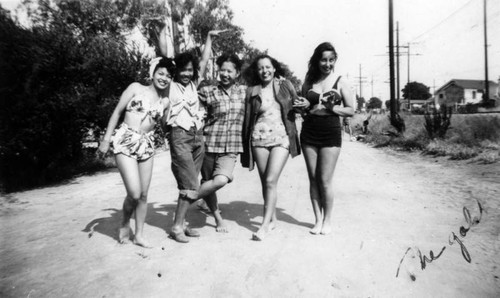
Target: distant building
[[461, 92], [416, 103]]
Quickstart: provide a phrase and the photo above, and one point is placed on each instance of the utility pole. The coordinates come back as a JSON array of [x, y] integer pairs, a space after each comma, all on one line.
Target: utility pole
[[486, 81], [397, 61], [361, 81], [372, 85], [408, 83], [391, 63], [408, 75]]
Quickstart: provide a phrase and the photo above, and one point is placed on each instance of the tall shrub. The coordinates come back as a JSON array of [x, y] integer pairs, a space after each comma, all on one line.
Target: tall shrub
[[57, 80], [438, 122]]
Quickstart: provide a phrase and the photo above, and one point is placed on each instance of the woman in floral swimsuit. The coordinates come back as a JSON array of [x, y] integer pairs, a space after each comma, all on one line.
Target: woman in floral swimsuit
[[269, 131], [133, 143]]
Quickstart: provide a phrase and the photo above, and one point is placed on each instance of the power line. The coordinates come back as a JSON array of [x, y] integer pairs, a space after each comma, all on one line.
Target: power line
[[444, 20]]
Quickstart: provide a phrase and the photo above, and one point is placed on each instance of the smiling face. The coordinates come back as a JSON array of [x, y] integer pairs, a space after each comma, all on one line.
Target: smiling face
[[185, 74], [327, 62], [161, 78], [228, 74], [266, 70]]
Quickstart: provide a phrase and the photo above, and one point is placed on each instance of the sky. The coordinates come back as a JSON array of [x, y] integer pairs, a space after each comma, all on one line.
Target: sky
[[445, 37]]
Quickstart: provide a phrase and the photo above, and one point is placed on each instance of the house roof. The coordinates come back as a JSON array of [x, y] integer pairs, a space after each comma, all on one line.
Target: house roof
[[467, 84]]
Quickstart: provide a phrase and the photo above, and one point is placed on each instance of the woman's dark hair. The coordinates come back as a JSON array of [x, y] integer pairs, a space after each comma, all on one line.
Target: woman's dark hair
[[314, 73], [251, 74], [168, 63], [183, 59], [229, 58]]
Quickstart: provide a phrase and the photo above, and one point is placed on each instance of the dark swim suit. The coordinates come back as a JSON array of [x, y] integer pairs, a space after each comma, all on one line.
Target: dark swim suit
[[322, 130]]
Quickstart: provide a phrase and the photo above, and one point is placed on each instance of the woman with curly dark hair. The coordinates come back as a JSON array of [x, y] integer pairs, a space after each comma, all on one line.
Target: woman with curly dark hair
[[184, 122], [327, 98], [269, 131]]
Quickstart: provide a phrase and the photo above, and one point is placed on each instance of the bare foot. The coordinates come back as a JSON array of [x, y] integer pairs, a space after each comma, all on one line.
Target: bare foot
[[260, 234], [272, 225], [327, 229], [219, 221], [221, 227], [316, 229], [142, 242], [124, 235]]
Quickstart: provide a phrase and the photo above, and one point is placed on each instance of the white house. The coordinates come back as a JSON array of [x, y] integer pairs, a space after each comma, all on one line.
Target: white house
[[461, 92]]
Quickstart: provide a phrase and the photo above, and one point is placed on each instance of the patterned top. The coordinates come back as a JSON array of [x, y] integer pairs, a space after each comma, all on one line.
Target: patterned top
[[269, 129], [141, 104], [225, 109], [184, 107]]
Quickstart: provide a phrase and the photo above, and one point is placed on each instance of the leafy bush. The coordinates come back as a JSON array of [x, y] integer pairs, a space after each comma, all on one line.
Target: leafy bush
[[472, 130], [55, 84], [438, 122], [474, 137]]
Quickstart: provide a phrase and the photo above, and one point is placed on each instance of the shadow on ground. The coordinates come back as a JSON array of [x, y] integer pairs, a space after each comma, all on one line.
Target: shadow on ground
[[162, 217]]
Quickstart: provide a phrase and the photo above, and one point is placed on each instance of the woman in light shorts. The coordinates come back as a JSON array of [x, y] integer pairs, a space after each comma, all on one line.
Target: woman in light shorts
[[269, 131]]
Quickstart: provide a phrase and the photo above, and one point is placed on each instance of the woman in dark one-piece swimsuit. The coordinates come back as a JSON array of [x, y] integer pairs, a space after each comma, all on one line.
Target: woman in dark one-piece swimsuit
[[327, 98]]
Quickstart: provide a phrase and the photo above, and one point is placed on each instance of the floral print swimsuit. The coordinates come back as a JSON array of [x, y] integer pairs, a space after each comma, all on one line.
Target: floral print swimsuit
[[269, 130], [133, 143]]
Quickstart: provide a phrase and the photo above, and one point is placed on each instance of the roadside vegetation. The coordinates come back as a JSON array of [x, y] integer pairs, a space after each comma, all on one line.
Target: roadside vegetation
[[473, 137], [63, 69]]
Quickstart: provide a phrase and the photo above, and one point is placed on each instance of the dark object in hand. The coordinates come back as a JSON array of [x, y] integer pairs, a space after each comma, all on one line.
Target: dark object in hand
[[332, 97]]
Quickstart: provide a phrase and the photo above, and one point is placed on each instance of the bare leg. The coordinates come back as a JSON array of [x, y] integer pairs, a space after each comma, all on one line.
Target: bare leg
[[207, 192], [177, 231], [311, 158], [327, 161], [129, 170], [129, 205], [210, 184], [270, 165], [145, 172]]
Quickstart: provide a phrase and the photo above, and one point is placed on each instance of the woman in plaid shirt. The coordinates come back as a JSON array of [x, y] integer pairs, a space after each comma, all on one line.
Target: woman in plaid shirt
[[225, 104]]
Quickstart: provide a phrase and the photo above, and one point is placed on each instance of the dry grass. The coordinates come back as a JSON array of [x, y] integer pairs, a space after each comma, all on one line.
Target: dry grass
[[475, 137]]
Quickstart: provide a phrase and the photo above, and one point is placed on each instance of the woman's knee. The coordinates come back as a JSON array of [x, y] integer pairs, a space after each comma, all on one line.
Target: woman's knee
[[325, 184], [220, 181], [271, 181], [134, 195], [144, 197], [137, 194]]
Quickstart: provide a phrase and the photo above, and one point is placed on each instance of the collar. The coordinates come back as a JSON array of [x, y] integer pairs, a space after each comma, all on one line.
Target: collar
[[276, 86], [234, 86]]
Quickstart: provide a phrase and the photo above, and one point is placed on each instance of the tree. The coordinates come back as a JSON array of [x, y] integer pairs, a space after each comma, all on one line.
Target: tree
[[59, 78], [416, 90], [62, 76], [204, 16], [374, 103]]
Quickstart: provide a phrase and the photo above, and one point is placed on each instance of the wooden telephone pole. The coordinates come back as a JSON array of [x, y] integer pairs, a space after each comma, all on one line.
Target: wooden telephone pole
[[391, 64], [486, 80]]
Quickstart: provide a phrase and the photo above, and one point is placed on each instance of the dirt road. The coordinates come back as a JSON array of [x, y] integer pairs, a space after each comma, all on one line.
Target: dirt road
[[61, 241]]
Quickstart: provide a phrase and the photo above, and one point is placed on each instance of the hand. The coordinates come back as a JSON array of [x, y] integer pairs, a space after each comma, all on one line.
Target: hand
[[103, 149], [330, 104], [301, 102], [216, 32]]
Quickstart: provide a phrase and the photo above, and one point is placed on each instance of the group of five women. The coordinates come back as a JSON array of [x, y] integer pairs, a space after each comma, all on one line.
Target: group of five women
[[208, 127]]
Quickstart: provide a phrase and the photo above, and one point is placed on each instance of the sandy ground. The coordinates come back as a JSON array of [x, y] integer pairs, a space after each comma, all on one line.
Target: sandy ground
[[61, 241]]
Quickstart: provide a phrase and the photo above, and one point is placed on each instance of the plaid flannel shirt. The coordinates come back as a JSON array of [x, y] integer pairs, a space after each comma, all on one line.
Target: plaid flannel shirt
[[225, 114]]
